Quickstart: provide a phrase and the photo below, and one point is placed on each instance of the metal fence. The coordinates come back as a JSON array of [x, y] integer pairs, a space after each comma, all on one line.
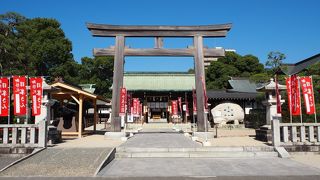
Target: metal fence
[[23, 135]]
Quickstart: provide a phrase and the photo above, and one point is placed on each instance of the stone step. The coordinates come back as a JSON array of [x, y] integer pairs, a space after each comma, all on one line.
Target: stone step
[[198, 149], [196, 154]]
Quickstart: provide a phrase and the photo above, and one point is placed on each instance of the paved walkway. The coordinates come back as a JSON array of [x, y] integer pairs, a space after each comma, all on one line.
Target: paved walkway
[[160, 140], [197, 167], [148, 167]]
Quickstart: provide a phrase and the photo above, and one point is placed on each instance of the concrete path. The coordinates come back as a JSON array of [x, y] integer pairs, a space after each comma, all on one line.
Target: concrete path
[[171, 178], [160, 140], [205, 167], [60, 162]]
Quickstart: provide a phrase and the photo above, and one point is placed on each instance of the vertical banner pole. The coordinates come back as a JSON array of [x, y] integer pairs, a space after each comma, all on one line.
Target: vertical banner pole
[[314, 102], [9, 102], [290, 99], [300, 99], [27, 101]]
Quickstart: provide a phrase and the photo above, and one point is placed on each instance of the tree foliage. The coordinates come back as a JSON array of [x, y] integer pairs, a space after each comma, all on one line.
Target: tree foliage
[[233, 65], [38, 47], [32, 46], [275, 59]]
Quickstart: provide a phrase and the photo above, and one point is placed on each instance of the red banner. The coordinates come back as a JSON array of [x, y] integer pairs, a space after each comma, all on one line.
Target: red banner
[[123, 101], [279, 110], [174, 107], [293, 95], [307, 92], [36, 94], [288, 84], [4, 96], [194, 101], [140, 109], [135, 106], [179, 105], [20, 95], [129, 103]]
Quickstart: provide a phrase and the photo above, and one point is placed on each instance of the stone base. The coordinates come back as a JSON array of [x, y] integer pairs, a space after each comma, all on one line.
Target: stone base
[[264, 133], [54, 135], [204, 135], [116, 135]]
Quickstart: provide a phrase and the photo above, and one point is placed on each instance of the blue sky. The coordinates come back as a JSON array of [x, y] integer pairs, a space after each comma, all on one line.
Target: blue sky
[[259, 26]]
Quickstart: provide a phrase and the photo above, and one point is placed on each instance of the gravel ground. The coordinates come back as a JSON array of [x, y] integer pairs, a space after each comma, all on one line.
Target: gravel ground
[[60, 162]]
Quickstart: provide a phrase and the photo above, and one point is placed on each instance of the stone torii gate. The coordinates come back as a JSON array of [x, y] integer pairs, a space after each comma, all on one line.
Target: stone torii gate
[[119, 51]]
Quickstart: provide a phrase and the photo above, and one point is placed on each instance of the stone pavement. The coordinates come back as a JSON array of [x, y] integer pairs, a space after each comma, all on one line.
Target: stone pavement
[[205, 167], [307, 159], [171, 178], [197, 167], [158, 140]]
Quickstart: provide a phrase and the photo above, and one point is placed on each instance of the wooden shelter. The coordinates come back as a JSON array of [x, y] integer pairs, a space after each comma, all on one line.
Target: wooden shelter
[[68, 92], [119, 51]]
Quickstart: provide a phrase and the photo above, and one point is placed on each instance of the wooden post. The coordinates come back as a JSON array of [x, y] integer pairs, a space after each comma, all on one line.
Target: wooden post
[[80, 116], [158, 42], [117, 83], [95, 115], [199, 74]]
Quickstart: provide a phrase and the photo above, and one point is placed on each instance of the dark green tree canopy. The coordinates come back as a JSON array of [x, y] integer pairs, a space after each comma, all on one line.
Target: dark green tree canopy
[[32, 46], [38, 47], [233, 65]]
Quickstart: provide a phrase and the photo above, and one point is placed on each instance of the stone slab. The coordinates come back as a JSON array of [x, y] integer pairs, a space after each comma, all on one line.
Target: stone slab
[[282, 152], [160, 140], [185, 167]]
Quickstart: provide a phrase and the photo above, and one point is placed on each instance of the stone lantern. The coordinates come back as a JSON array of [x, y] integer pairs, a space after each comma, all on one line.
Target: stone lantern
[[264, 133], [46, 104]]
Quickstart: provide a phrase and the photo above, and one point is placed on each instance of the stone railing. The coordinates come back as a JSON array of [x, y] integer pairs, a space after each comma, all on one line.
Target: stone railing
[[295, 133], [23, 135]]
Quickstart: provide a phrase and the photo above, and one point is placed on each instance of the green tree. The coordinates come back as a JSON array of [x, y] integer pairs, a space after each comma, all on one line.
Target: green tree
[[10, 52], [275, 59], [32, 46], [233, 65], [99, 71]]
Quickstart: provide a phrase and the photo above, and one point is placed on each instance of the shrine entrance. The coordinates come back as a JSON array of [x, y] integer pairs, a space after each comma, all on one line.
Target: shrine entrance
[[197, 51]]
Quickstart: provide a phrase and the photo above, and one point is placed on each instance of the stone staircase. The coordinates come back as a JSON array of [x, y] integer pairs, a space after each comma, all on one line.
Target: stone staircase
[[198, 152]]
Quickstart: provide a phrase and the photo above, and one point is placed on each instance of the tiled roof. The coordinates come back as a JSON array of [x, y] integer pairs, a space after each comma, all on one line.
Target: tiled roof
[[159, 81]]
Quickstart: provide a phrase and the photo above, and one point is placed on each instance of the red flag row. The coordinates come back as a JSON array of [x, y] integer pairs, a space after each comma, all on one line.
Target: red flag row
[[20, 95], [129, 104], [293, 90]]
